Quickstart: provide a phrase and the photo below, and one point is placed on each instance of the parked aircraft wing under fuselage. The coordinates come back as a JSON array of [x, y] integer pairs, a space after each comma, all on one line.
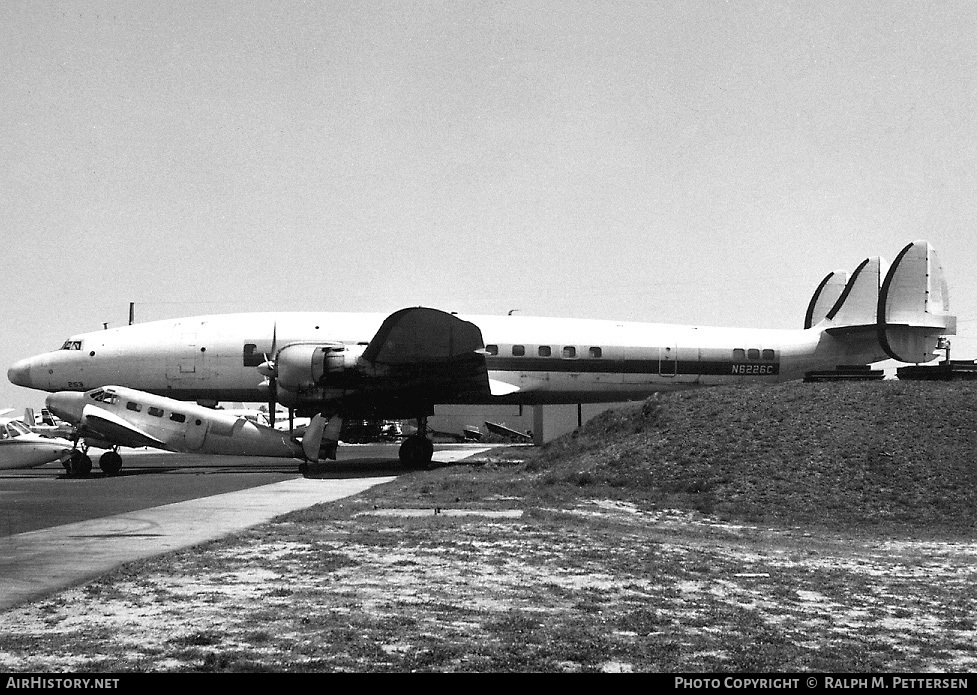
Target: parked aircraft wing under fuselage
[[108, 427]]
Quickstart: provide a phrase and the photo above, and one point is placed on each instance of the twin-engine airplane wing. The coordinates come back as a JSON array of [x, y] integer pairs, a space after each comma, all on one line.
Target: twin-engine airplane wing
[[107, 427]]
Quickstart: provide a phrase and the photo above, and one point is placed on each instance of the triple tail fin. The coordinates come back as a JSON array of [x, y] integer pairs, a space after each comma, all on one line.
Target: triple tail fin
[[905, 304]]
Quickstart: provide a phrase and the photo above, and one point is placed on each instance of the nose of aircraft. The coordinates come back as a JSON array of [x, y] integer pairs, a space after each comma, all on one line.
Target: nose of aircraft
[[20, 373], [67, 405]]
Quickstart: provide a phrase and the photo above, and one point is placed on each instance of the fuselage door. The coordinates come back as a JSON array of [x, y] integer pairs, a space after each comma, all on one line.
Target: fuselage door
[[196, 432], [183, 356]]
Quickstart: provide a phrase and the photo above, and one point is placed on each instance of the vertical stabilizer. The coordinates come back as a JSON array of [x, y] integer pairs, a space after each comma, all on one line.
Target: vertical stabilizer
[[825, 297], [914, 305], [858, 303]]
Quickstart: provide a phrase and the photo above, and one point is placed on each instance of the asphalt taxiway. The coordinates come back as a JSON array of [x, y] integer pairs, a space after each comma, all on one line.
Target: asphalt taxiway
[[57, 531]]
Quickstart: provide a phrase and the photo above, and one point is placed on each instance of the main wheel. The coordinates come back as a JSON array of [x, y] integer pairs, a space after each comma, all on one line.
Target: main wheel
[[80, 464], [110, 462], [416, 452]]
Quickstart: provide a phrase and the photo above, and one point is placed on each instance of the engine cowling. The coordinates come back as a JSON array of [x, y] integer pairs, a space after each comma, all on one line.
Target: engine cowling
[[315, 371]]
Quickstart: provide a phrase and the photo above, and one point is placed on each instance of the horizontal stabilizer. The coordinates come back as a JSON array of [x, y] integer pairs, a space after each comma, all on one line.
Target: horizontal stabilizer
[[825, 297]]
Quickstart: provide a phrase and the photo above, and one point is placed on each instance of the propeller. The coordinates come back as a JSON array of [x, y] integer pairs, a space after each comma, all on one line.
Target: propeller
[[269, 370]]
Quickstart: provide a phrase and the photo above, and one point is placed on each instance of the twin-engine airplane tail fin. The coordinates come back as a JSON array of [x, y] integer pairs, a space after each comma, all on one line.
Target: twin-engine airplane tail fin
[[905, 304]]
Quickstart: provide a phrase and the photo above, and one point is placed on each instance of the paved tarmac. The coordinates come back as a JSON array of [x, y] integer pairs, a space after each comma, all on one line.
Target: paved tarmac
[[56, 532]]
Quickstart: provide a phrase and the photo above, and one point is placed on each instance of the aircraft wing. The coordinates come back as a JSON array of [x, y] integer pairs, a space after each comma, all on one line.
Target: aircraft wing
[[100, 423], [430, 352]]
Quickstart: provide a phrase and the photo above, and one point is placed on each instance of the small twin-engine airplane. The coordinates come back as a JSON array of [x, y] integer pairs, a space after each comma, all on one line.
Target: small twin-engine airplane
[[113, 416], [22, 448], [400, 365]]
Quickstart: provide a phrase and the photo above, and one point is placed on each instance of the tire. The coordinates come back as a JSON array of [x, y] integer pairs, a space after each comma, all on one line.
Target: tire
[[81, 465], [416, 452], [110, 462]]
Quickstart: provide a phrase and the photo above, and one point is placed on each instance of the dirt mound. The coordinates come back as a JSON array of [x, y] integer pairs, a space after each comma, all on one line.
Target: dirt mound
[[859, 454]]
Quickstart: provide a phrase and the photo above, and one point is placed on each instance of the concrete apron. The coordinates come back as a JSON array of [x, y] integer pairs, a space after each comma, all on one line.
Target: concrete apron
[[37, 563]]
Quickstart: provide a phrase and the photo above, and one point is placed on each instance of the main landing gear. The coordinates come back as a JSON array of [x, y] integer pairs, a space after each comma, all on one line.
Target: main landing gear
[[417, 451], [79, 464]]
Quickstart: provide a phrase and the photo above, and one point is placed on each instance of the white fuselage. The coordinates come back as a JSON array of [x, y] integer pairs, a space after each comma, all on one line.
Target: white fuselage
[[129, 417], [20, 448], [542, 360]]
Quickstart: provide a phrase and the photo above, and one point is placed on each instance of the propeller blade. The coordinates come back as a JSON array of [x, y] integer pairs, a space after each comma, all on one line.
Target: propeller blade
[[272, 380]]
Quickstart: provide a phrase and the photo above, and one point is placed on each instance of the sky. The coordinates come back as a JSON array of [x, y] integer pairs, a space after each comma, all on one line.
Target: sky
[[695, 162]]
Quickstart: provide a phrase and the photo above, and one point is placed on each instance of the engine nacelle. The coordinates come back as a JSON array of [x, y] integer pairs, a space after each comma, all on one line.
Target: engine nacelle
[[315, 371]]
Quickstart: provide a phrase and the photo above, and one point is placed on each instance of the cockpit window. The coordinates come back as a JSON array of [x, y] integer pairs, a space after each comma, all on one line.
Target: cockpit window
[[71, 345], [104, 397]]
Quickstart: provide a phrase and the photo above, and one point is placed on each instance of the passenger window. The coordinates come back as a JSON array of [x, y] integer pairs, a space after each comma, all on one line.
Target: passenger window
[[178, 417], [135, 407], [595, 352], [739, 354], [569, 351], [545, 351], [492, 349], [518, 350], [155, 412], [768, 354], [753, 354]]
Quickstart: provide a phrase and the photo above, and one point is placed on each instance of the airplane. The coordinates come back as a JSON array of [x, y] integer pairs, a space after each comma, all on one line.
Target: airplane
[[399, 365], [46, 424], [21, 448], [112, 416], [503, 431]]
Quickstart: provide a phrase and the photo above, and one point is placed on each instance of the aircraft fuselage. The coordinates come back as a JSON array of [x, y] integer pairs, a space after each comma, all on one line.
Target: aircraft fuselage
[[540, 360]]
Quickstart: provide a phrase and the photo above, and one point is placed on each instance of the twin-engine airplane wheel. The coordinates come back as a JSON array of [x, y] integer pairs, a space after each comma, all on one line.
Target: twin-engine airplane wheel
[[416, 452], [78, 465], [110, 462]]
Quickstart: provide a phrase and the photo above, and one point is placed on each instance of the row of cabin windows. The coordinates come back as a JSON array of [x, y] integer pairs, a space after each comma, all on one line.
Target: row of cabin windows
[[739, 354], [569, 351], [154, 411]]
